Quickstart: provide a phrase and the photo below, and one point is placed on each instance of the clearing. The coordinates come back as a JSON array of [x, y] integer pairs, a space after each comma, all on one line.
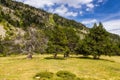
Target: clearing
[[20, 68]]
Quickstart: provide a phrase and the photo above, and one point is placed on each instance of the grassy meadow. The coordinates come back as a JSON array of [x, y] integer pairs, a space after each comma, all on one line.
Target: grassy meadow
[[20, 68]]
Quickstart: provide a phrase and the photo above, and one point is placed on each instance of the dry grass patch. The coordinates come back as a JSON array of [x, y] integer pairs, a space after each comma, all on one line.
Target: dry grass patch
[[20, 68]]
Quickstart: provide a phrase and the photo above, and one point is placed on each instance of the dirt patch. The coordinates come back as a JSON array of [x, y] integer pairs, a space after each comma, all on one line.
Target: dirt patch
[[2, 31]]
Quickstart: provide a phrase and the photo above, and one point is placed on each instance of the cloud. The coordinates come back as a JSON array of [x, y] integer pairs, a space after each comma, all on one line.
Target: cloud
[[90, 5], [37, 3], [112, 16], [89, 21], [63, 11], [81, 12], [56, 6], [112, 26], [42, 3]]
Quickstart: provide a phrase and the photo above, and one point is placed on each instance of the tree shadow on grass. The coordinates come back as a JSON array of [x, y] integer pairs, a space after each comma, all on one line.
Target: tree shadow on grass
[[106, 60], [90, 58], [81, 57], [52, 58]]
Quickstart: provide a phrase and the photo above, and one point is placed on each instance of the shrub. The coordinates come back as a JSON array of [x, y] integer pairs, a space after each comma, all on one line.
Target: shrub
[[65, 75], [44, 76]]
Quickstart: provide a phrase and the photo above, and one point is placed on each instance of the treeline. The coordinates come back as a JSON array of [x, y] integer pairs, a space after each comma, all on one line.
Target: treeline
[[61, 40]]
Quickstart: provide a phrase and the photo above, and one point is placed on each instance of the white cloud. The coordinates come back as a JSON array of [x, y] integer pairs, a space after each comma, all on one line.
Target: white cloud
[[81, 13], [89, 21], [112, 16], [74, 14], [90, 5], [77, 4], [42, 3], [112, 26], [87, 9], [37, 3], [63, 11]]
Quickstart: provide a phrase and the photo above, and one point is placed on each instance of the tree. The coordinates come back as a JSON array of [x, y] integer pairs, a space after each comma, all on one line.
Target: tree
[[73, 40], [58, 41], [97, 42], [34, 41]]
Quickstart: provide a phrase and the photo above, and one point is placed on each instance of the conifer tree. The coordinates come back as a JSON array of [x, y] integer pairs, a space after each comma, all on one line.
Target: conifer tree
[[97, 42]]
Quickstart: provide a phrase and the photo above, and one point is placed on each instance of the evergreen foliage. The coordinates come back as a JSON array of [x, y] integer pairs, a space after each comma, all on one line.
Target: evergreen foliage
[[97, 43]]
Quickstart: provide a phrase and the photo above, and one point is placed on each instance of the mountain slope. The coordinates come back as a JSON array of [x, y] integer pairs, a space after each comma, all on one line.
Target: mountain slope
[[19, 14]]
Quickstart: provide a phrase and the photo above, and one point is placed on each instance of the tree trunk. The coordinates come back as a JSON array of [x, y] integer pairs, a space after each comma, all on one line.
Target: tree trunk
[[95, 57], [29, 56], [64, 55], [67, 55], [55, 55]]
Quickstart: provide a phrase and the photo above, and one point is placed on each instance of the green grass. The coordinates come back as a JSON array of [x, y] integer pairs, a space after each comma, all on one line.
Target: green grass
[[20, 68]]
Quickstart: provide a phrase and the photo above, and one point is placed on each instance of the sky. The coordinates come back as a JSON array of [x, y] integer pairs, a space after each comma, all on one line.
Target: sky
[[87, 12]]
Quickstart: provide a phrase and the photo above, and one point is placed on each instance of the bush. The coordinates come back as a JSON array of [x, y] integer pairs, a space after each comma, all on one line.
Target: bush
[[44, 76], [60, 75], [65, 75]]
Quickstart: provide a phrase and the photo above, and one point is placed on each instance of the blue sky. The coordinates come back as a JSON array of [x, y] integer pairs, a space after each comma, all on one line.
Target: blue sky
[[86, 11]]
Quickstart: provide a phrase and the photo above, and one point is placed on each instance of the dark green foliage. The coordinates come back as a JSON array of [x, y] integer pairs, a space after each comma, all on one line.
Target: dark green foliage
[[83, 48], [62, 40], [115, 41], [58, 41], [66, 75], [44, 76], [97, 43], [72, 38], [67, 23]]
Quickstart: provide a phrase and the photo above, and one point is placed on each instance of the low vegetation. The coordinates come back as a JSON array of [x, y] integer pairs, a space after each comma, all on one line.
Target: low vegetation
[[60, 75], [44, 76], [66, 75]]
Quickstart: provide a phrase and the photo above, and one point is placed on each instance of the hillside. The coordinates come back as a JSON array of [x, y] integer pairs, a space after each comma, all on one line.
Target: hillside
[[21, 15]]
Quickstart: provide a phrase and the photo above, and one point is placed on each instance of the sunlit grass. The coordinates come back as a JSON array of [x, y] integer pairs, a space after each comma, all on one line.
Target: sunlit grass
[[20, 68]]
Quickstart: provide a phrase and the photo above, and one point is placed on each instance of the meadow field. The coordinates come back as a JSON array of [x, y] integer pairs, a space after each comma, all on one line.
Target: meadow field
[[20, 68]]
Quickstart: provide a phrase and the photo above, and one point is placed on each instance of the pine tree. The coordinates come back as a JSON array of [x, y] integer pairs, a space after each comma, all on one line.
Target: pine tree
[[97, 42], [58, 41]]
